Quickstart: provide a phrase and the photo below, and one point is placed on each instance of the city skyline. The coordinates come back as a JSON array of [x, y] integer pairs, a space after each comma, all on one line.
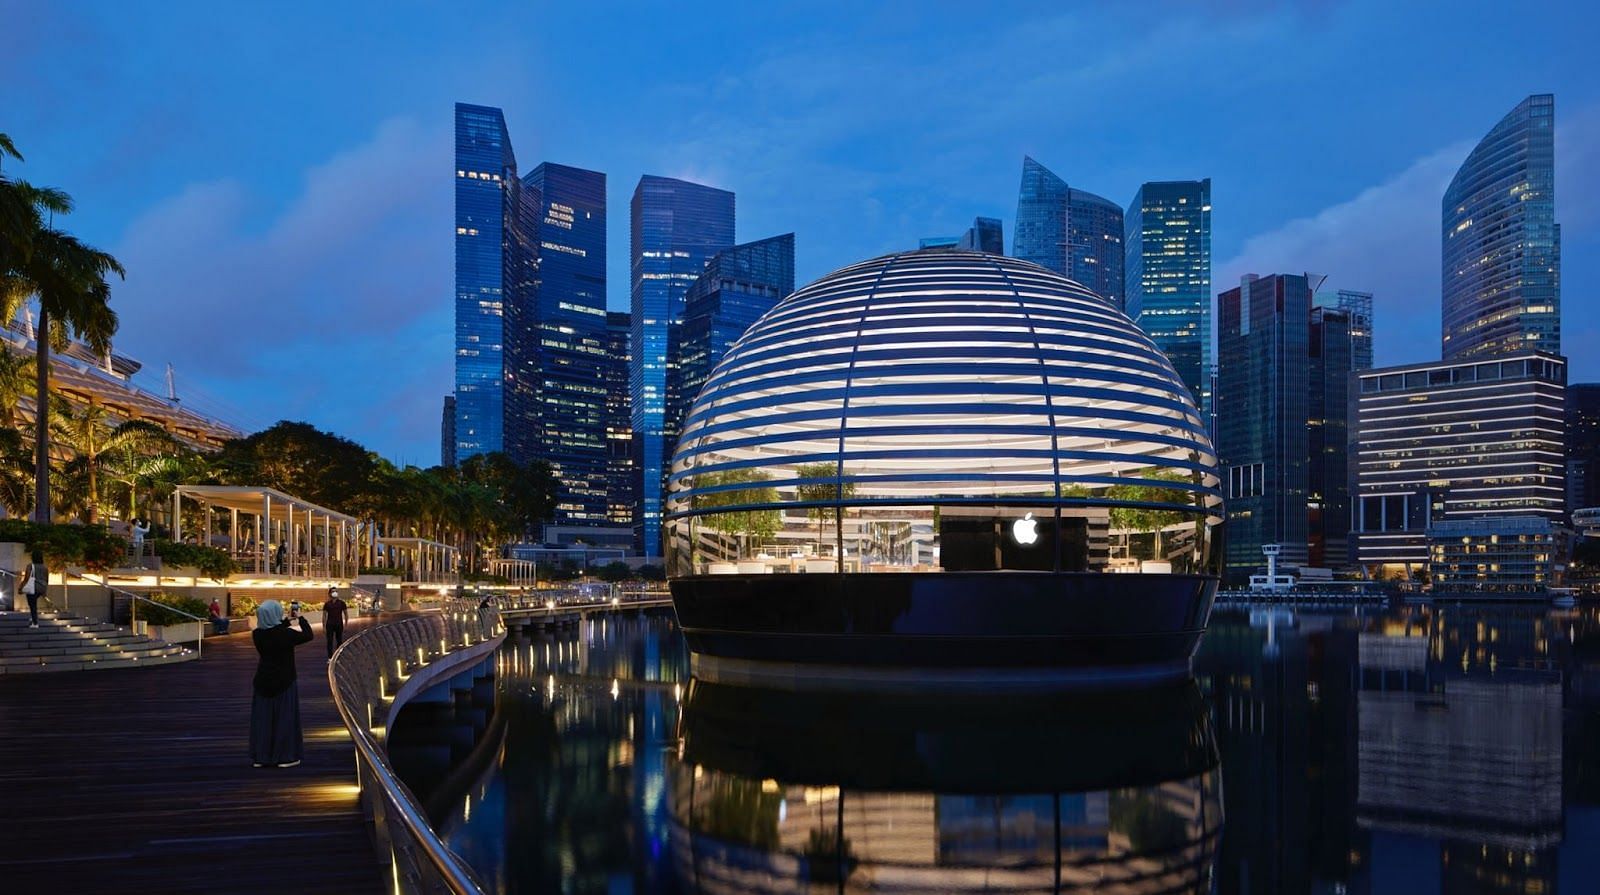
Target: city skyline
[[284, 228]]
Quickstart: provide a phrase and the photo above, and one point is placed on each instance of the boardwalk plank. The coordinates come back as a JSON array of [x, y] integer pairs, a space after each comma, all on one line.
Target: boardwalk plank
[[139, 780]]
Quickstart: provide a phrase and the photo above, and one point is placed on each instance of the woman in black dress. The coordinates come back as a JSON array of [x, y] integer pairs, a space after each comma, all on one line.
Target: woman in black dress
[[275, 739]]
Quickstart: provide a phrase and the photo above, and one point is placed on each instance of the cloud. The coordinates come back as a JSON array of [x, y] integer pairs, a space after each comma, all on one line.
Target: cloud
[[318, 307], [1385, 240]]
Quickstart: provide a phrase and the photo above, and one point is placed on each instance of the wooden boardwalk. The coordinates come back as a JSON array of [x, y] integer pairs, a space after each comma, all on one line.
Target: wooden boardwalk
[[139, 780]]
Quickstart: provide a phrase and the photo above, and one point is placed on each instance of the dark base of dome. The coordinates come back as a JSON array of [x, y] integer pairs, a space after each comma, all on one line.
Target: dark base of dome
[[917, 630]]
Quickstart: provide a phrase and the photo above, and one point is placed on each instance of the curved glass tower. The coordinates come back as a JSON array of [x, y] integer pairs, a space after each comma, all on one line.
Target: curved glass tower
[[1073, 232], [1502, 247]]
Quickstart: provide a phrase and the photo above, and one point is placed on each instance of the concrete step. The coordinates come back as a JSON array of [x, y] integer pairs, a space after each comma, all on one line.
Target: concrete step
[[136, 649], [99, 664]]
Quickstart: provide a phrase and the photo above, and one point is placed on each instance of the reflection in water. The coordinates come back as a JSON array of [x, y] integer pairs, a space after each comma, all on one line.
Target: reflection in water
[[1421, 749], [944, 794]]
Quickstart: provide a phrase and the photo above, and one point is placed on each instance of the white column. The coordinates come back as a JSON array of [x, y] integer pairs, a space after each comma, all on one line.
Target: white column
[[177, 515]]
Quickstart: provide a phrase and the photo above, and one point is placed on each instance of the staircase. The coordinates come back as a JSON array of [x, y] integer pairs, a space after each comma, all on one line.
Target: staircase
[[65, 642]]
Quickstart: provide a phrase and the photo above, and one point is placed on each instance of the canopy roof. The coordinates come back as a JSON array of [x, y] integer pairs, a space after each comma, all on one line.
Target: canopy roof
[[251, 498]]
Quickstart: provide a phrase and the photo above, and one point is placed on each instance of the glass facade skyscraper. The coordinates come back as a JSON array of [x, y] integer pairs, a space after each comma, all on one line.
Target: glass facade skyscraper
[[675, 228], [565, 339], [1332, 346], [1502, 246], [1167, 268], [1263, 347], [738, 286], [985, 235], [492, 264], [1072, 232], [622, 486]]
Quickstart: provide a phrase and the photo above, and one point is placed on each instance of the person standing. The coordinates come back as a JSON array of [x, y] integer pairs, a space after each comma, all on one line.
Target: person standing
[[35, 579], [333, 616], [275, 738], [280, 558]]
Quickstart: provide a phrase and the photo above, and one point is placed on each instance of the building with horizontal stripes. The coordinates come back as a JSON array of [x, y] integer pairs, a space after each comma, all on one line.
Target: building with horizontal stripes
[[1454, 440], [940, 457]]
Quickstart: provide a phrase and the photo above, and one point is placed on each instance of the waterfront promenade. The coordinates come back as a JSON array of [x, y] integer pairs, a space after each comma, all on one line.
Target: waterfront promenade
[[139, 780]]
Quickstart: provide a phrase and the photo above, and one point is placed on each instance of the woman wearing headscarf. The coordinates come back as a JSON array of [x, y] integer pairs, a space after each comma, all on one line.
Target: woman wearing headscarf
[[275, 739]]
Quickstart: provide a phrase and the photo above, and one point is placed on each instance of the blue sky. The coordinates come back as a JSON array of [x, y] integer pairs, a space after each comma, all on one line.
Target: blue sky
[[278, 179]]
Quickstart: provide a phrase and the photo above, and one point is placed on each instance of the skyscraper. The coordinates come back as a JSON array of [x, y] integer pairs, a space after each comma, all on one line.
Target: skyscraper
[[675, 228], [1072, 232], [1583, 446], [738, 286], [1332, 348], [495, 263], [447, 432], [1263, 347], [1502, 246], [1459, 449], [985, 235], [622, 485], [1359, 306], [565, 338], [1168, 275]]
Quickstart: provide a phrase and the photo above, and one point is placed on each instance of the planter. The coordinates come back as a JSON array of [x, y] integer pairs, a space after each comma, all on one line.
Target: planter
[[184, 632]]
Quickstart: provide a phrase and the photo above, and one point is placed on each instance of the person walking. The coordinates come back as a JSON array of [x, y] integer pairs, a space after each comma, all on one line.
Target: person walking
[[333, 616], [35, 579], [275, 738], [280, 558]]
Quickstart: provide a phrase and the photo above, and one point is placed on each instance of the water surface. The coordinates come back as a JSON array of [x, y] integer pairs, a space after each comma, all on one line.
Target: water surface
[[1412, 749]]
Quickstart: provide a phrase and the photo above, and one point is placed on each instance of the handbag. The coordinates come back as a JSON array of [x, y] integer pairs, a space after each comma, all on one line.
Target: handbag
[[30, 587]]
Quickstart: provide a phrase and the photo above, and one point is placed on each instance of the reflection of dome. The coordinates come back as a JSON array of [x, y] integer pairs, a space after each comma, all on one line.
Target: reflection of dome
[[945, 793], [946, 411]]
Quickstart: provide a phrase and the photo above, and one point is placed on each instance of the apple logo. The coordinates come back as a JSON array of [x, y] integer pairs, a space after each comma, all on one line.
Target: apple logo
[[1025, 530]]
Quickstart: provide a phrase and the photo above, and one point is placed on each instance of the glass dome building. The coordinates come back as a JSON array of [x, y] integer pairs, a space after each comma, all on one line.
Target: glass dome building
[[947, 461]]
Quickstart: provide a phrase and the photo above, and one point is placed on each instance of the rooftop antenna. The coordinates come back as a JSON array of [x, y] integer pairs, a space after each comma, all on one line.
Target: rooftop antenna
[[27, 322], [172, 385]]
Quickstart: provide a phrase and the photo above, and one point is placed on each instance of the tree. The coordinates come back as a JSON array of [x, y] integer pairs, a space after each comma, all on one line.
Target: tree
[[86, 431], [300, 459], [16, 383], [1149, 519], [826, 495], [16, 473], [69, 281], [754, 516]]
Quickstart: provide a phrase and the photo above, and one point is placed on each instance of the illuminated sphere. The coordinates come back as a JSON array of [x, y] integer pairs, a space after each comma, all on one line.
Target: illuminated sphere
[[941, 413]]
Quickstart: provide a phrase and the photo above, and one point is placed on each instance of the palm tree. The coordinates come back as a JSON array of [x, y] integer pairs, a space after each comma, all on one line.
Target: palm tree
[[16, 383], [68, 278], [16, 473], [87, 433]]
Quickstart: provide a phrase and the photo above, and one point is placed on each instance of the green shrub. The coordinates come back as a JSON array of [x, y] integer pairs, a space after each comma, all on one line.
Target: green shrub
[[160, 615], [211, 561], [90, 546], [382, 570], [243, 607]]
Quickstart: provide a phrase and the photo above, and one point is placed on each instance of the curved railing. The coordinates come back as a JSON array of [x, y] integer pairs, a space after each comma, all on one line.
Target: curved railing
[[372, 675]]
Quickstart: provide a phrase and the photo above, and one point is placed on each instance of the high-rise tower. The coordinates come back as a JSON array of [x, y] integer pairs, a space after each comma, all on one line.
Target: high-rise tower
[[1168, 275], [675, 228], [1501, 244], [1072, 232]]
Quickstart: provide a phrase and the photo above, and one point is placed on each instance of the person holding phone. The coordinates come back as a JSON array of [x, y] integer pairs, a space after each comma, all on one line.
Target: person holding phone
[[275, 736]]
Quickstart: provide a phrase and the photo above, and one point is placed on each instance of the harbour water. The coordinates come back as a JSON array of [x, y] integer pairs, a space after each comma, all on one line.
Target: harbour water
[[1443, 748]]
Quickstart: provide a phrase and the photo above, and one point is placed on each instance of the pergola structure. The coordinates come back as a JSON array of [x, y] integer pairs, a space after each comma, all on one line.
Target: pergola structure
[[424, 561], [524, 572], [317, 542]]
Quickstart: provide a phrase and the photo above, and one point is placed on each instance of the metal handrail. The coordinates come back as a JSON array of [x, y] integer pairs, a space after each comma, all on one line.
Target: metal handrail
[[350, 673], [133, 609]]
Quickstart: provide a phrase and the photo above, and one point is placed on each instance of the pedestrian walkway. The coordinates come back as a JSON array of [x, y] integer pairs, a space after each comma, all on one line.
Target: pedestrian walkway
[[139, 780]]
